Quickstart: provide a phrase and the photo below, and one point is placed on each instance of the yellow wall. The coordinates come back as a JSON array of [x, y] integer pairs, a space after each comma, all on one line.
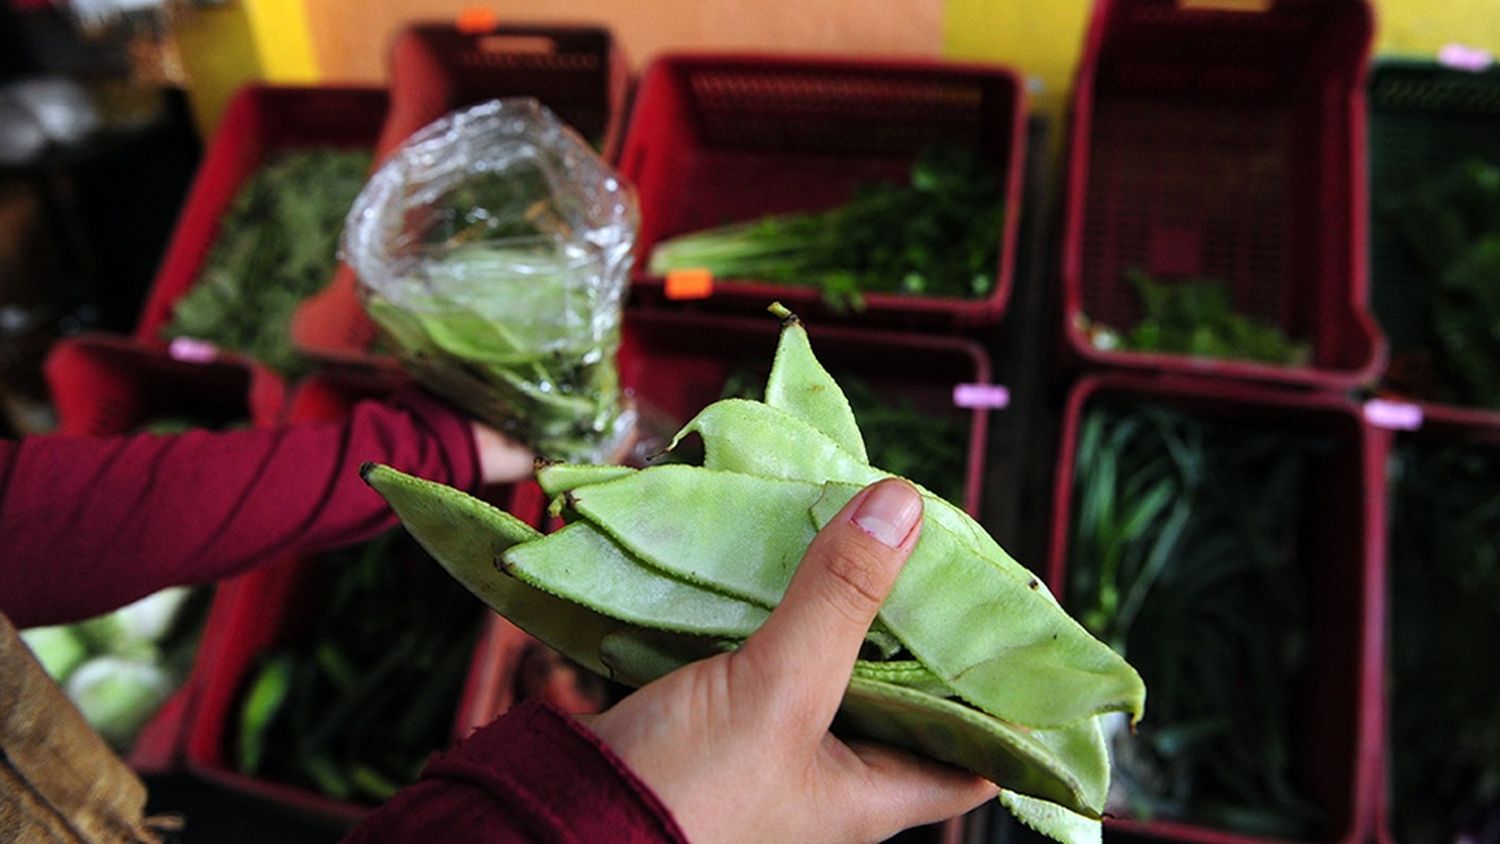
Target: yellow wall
[[1042, 38], [307, 40], [224, 48]]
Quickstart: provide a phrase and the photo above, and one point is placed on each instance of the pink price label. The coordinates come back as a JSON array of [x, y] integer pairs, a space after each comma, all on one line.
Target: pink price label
[[191, 350], [1393, 415], [986, 396], [1464, 57]]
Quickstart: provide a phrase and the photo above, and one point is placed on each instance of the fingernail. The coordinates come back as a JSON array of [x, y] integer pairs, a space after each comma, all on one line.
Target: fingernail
[[889, 512]]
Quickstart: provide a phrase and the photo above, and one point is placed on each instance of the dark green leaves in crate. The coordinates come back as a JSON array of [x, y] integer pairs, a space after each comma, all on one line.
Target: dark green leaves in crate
[[1183, 556], [354, 708], [276, 246], [1196, 317], [977, 664], [1445, 602], [1447, 341], [938, 235]]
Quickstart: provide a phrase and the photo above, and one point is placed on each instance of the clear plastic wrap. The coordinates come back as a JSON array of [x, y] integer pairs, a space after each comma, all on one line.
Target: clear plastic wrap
[[493, 250]]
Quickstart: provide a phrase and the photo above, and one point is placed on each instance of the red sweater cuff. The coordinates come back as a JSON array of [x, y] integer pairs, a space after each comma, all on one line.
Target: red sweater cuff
[[534, 774], [452, 430]]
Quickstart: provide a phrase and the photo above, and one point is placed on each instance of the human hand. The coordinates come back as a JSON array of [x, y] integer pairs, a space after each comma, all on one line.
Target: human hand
[[502, 460], [737, 746]]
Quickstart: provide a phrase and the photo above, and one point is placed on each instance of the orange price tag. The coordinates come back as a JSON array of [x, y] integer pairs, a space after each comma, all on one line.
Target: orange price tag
[[691, 283], [477, 20]]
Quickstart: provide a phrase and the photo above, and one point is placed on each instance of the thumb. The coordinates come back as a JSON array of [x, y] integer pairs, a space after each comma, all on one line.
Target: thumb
[[802, 656]]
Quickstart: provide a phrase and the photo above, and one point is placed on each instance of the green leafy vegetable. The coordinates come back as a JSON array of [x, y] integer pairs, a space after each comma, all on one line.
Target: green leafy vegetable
[[938, 235], [357, 706], [1445, 599], [1183, 556], [1449, 344], [1196, 317], [120, 667], [277, 245]]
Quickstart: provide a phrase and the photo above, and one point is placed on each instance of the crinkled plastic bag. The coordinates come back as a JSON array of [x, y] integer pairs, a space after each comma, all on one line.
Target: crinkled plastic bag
[[493, 250]]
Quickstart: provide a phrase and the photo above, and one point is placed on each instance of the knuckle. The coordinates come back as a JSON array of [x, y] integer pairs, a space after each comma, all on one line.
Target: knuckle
[[854, 582]]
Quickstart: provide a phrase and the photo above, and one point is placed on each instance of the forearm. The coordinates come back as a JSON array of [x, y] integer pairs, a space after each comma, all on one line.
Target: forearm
[[88, 524]]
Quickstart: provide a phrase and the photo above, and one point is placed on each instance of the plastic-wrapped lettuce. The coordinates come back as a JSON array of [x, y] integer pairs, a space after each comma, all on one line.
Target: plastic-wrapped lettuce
[[493, 249]]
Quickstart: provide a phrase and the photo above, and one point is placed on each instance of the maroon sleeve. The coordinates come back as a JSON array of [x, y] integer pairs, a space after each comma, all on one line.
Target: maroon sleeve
[[89, 524], [532, 775]]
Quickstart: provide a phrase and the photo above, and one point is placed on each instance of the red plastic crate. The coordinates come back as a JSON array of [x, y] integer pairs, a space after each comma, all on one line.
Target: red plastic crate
[[576, 71], [260, 120], [1441, 424], [714, 139], [676, 363], [1339, 707], [1225, 140], [272, 604], [103, 385]]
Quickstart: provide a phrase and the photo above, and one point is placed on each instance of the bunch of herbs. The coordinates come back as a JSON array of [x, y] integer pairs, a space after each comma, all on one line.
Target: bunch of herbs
[[938, 235], [277, 245]]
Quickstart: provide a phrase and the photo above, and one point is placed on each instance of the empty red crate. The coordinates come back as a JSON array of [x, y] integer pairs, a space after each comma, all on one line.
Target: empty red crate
[[577, 72], [1224, 140], [1335, 729], [676, 364], [104, 385], [716, 139], [259, 121], [1435, 430], [272, 605]]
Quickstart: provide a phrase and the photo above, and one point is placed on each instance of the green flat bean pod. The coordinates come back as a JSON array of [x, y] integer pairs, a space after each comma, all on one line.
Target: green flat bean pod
[[757, 439], [581, 564], [799, 385], [662, 566]]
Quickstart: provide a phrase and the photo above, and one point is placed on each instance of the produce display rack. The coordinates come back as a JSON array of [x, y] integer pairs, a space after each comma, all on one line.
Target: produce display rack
[[1204, 141]]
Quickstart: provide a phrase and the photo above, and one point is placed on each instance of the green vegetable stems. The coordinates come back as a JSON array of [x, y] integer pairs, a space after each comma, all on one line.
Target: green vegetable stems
[[1183, 555], [937, 235]]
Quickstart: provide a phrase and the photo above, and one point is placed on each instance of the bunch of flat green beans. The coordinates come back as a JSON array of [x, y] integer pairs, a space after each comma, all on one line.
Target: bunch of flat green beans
[[971, 659]]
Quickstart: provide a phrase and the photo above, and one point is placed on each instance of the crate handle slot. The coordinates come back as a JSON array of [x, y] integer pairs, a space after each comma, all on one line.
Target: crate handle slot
[[526, 44], [1242, 6]]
